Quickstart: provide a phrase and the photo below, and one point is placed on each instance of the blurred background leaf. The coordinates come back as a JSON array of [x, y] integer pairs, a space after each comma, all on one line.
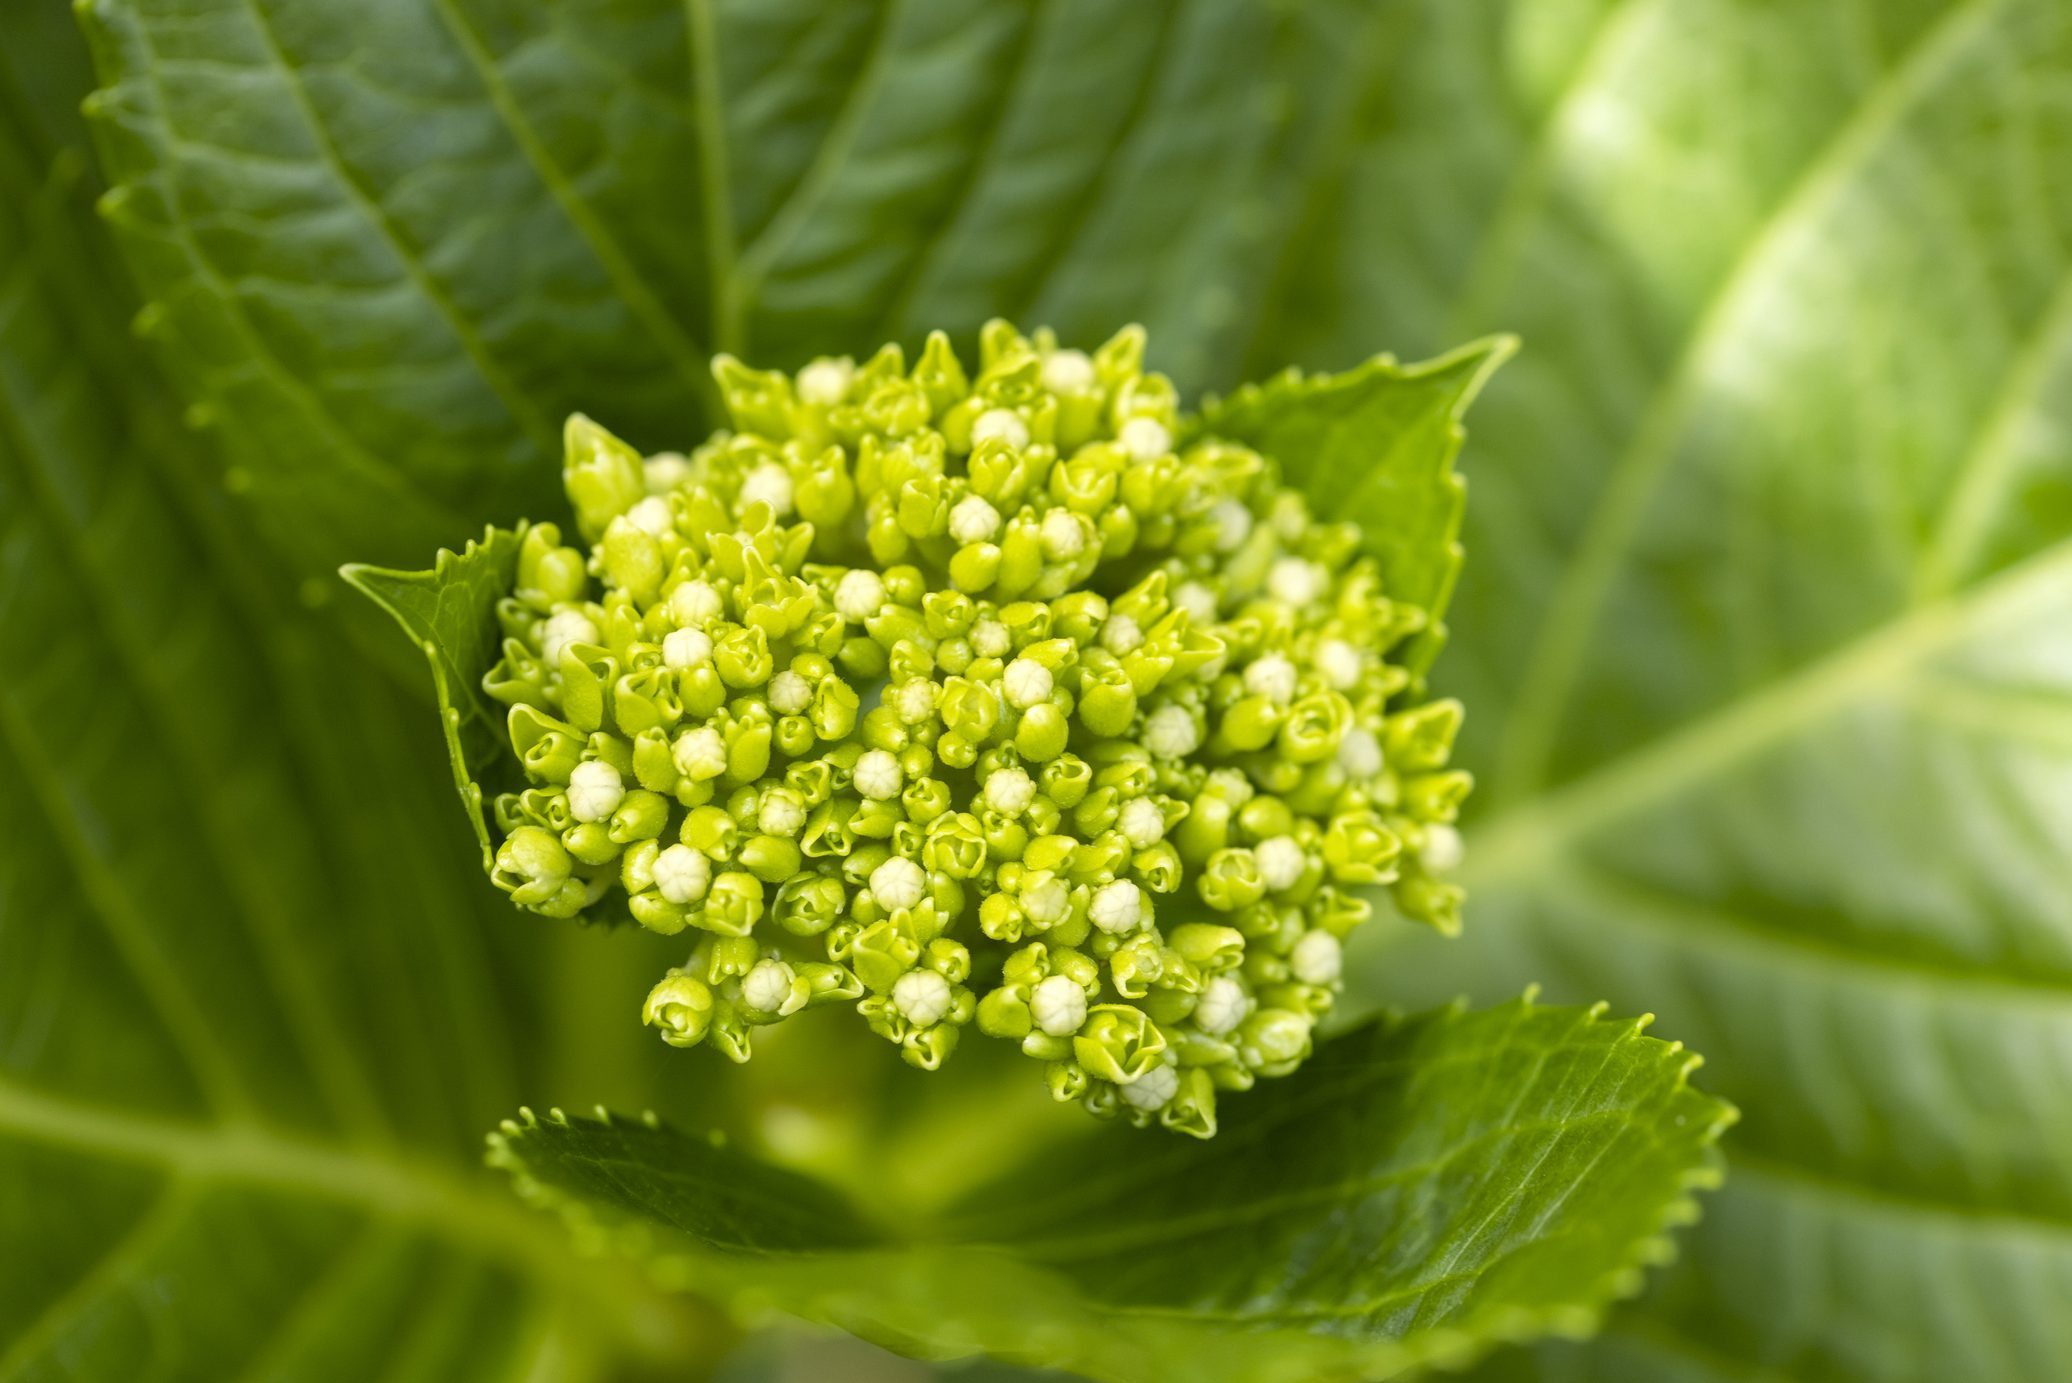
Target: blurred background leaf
[[1768, 532]]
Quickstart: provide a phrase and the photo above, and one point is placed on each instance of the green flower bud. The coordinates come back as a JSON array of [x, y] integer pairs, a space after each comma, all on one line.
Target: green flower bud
[[1231, 880], [531, 865], [1360, 850], [1119, 1043], [733, 905], [602, 474], [681, 1008]]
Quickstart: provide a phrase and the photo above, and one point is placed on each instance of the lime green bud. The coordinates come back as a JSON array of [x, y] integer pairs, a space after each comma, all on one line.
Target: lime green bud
[[773, 859], [733, 905], [549, 574], [1120, 1044], [1274, 1041], [641, 816], [1107, 701], [681, 1008], [603, 475], [742, 657], [1043, 733], [1360, 850], [531, 866], [1231, 880], [1208, 946], [808, 905], [1004, 1013]]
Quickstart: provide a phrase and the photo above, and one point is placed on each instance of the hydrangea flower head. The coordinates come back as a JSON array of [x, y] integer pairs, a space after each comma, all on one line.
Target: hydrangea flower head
[[1006, 700]]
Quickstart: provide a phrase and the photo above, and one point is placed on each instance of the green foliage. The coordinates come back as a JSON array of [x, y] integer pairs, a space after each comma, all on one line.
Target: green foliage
[[1762, 630], [1419, 1192]]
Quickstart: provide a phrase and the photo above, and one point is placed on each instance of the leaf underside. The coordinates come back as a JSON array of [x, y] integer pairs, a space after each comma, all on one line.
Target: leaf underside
[[1418, 1192]]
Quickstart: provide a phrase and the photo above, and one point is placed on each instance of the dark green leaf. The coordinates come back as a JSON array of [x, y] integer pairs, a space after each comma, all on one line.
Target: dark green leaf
[[1418, 1192], [251, 1015], [399, 240]]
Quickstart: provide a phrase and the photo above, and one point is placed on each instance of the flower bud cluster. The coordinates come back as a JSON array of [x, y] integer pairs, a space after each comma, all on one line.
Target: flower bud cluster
[[1003, 700]]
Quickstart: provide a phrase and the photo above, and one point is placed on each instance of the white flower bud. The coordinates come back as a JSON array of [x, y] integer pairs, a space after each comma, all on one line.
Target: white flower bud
[[1317, 957], [1009, 791], [1197, 600], [1169, 733], [1118, 907], [825, 383], [768, 484], [780, 813], [1026, 682], [1296, 581], [974, 520], [1359, 754], [652, 516], [989, 639], [859, 595], [1045, 899], [1233, 525], [665, 471], [1442, 849], [695, 602], [682, 874], [1004, 423], [922, 997], [1122, 635], [1154, 1089], [1142, 824], [563, 629], [898, 883], [1272, 677], [878, 775], [790, 693], [700, 753], [1281, 862], [767, 987], [1338, 663], [1145, 439], [1058, 1005], [1061, 536], [685, 648], [1222, 1006], [1068, 372], [594, 791], [913, 700]]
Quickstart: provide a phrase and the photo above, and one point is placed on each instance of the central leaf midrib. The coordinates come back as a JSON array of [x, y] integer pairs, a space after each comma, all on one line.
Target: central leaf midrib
[[1555, 662], [1518, 839]]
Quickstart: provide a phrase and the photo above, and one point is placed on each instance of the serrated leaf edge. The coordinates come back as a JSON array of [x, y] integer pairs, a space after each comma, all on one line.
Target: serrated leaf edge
[[357, 574], [673, 1270]]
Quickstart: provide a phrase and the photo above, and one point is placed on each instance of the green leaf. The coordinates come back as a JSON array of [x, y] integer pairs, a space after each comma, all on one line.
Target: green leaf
[[399, 240], [450, 613], [1419, 1191], [251, 1016], [1765, 635], [1376, 445]]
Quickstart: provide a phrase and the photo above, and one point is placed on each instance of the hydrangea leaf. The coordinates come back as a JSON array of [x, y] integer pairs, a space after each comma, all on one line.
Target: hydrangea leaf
[[592, 199], [242, 1074], [1376, 445], [1766, 633], [1422, 1190], [449, 612]]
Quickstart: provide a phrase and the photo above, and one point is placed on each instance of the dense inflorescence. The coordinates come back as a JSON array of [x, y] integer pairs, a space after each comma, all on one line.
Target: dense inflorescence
[[1006, 700]]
